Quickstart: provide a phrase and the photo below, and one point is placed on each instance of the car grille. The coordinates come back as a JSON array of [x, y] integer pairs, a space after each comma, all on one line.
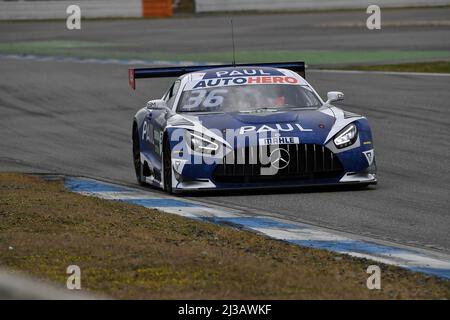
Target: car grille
[[307, 161]]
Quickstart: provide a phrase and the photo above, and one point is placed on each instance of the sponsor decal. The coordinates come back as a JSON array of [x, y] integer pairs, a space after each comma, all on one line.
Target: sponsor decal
[[287, 127], [178, 165], [369, 156], [242, 72], [147, 132], [239, 81], [278, 140]]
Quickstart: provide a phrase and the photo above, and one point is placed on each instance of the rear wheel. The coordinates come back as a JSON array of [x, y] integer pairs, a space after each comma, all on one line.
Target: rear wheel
[[137, 156], [167, 167]]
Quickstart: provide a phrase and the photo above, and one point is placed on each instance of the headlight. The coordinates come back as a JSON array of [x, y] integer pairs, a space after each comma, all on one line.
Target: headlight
[[346, 137], [200, 143]]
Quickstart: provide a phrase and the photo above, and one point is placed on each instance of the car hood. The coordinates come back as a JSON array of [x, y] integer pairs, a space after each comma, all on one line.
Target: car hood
[[311, 125]]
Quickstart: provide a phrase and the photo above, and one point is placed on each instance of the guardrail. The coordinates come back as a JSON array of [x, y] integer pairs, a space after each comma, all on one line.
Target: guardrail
[[286, 5], [40, 10]]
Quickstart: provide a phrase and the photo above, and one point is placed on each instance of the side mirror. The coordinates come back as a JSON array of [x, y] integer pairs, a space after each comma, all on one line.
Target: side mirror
[[333, 96], [158, 104]]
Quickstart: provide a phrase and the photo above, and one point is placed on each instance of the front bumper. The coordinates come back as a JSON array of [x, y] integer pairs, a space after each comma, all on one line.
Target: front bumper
[[208, 185], [310, 165], [365, 177]]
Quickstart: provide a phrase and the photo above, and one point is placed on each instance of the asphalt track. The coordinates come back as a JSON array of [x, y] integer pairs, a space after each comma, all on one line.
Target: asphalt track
[[412, 29], [75, 118]]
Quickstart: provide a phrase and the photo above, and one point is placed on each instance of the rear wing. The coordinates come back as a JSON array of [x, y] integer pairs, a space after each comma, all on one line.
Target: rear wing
[[143, 73]]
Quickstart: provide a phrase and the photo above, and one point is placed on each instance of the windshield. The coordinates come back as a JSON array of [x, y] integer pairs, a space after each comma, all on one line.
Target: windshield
[[248, 98]]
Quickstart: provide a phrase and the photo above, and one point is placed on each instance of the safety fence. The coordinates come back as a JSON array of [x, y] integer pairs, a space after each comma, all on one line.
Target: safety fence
[[288, 5], [38, 10]]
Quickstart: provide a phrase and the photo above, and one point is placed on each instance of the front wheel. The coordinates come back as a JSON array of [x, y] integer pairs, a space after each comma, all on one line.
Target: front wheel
[[167, 167]]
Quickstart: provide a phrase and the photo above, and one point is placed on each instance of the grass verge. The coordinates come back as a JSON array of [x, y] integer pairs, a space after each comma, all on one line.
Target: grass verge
[[127, 251], [431, 67], [102, 50]]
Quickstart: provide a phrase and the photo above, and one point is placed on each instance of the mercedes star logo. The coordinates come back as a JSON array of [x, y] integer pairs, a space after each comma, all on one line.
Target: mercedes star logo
[[279, 158]]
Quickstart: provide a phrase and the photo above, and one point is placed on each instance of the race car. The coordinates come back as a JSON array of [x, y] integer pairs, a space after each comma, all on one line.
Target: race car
[[246, 127]]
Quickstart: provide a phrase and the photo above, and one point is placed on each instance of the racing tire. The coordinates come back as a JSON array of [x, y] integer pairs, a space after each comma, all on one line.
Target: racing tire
[[137, 157], [167, 167]]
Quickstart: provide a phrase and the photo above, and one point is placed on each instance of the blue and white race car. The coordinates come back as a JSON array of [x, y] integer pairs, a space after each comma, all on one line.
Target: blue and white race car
[[247, 126]]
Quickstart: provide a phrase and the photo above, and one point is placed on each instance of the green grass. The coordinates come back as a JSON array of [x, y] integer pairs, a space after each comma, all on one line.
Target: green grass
[[86, 49], [51, 47], [431, 67]]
